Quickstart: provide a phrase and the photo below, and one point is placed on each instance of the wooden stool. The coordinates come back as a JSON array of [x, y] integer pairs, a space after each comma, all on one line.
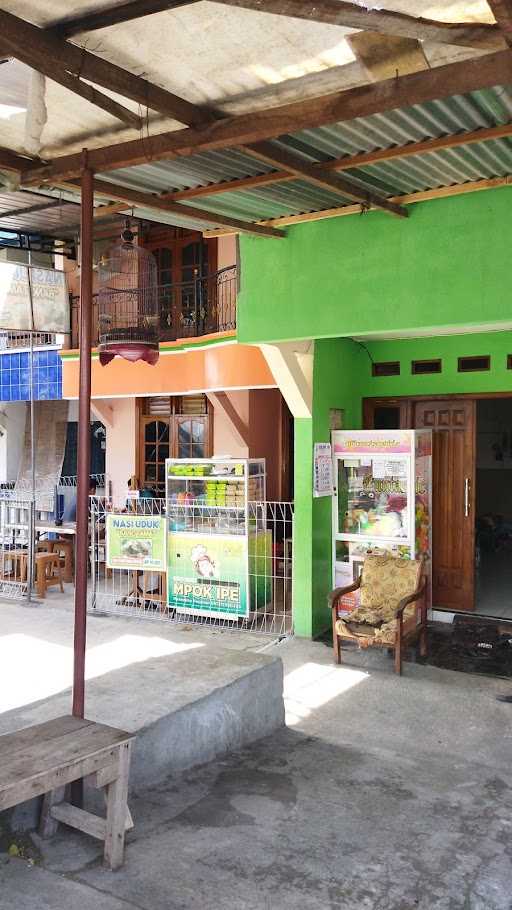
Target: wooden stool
[[48, 572], [66, 551], [17, 572]]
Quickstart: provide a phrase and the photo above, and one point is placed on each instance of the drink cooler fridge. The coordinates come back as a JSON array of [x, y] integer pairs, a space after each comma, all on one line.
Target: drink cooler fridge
[[382, 502], [219, 563]]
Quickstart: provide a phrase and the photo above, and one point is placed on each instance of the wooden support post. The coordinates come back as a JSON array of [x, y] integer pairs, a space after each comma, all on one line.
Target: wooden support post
[[48, 824], [84, 438], [117, 795]]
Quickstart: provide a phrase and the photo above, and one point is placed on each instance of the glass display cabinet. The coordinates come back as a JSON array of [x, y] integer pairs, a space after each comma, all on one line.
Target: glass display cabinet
[[382, 502], [216, 551]]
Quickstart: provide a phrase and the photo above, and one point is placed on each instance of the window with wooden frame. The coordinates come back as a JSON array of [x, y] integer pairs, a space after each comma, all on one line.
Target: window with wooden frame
[[172, 427]]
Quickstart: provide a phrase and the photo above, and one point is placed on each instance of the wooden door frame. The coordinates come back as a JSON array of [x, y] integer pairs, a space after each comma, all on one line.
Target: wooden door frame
[[369, 402]]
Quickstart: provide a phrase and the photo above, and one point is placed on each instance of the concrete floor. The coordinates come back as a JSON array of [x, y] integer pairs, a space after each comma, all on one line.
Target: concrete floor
[[381, 794]]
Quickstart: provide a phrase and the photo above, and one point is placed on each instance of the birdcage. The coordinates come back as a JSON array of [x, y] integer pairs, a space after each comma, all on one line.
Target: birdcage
[[128, 303]]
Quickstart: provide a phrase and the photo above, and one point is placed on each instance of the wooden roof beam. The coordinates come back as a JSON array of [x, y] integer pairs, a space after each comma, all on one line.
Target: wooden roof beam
[[502, 12], [349, 162], [320, 176], [25, 45], [45, 51], [114, 15], [147, 200], [244, 129], [11, 161], [387, 22]]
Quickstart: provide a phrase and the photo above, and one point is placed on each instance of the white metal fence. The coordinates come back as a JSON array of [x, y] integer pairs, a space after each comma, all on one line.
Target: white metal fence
[[16, 547], [144, 594]]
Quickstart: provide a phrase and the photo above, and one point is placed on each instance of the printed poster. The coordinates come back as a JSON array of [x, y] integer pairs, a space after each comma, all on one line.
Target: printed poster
[[33, 298], [136, 542], [207, 574], [322, 477]]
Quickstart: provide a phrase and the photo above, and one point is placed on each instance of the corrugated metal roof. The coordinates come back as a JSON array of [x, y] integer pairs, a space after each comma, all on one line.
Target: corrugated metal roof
[[405, 175], [57, 218], [444, 167]]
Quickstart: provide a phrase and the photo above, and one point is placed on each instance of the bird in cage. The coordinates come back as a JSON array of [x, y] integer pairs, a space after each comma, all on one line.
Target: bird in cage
[[128, 311]]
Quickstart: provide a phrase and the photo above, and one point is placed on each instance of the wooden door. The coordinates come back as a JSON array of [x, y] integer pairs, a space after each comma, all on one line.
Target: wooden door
[[453, 482]]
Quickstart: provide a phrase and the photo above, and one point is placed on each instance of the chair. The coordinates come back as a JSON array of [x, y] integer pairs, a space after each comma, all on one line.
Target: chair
[[65, 548], [48, 572], [392, 612]]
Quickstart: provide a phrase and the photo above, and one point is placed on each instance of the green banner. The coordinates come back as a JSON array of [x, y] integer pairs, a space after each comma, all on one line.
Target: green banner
[[136, 542], [207, 574]]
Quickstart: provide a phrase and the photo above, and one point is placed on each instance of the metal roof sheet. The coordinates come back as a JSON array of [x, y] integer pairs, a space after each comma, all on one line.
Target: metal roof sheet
[[58, 219], [443, 167]]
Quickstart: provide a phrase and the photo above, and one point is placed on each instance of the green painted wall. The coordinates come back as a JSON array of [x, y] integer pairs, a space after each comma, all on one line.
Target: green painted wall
[[447, 264], [449, 348], [337, 367]]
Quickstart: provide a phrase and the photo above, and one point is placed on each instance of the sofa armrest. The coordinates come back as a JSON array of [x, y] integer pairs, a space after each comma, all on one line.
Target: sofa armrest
[[338, 593]]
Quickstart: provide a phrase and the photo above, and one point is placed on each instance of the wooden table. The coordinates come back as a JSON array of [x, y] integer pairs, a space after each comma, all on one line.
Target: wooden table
[[49, 527], [66, 529], [43, 759]]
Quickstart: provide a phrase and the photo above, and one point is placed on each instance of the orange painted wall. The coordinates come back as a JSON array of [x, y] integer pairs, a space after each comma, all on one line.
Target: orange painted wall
[[225, 367]]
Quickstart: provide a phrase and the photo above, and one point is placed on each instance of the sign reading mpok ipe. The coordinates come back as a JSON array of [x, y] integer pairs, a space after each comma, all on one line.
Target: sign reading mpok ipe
[[136, 542]]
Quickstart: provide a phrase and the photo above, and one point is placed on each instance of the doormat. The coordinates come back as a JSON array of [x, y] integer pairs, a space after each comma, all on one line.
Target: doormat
[[471, 645]]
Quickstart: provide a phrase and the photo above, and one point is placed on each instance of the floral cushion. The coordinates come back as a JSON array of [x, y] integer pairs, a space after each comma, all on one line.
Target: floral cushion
[[385, 581]]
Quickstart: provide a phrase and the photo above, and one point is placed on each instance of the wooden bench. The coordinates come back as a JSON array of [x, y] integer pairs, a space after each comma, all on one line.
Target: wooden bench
[[42, 760]]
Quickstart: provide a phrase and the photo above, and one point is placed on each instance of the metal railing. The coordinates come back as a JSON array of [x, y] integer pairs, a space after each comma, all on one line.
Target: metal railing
[[14, 341], [143, 593], [192, 308]]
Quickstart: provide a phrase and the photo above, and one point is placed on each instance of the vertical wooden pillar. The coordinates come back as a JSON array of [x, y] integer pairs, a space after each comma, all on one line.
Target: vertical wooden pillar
[[84, 438]]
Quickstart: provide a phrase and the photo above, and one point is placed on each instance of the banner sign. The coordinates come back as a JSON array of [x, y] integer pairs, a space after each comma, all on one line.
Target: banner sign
[[372, 442], [207, 574], [33, 298], [136, 542]]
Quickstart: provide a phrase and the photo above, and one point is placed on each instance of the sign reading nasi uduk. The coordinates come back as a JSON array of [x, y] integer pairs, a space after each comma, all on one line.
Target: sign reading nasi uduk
[[33, 298], [136, 542]]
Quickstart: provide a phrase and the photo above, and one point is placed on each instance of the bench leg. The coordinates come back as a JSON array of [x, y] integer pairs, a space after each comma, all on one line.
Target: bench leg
[[117, 801], [48, 825]]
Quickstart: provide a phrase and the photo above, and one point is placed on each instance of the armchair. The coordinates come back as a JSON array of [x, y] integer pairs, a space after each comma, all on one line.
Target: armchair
[[392, 612]]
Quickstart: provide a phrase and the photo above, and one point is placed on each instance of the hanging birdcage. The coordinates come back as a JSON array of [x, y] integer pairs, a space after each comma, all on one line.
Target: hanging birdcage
[[128, 316]]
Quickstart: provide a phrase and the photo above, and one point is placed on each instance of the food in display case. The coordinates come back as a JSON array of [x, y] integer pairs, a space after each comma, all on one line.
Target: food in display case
[[215, 556], [382, 502]]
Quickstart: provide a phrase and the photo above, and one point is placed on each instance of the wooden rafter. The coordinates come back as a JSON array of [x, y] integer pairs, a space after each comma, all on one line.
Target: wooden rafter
[[502, 12], [147, 200], [45, 50], [36, 54], [278, 156], [391, 94], [114, 15], [387, 22], [349, 162], [11, 161]]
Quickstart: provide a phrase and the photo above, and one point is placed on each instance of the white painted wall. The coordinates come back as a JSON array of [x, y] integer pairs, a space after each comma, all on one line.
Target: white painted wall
[[121, 451], [226, 440], [12, 423]]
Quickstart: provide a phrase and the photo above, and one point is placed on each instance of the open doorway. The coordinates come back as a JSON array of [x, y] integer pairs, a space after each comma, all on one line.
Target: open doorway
[[493, 508]]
